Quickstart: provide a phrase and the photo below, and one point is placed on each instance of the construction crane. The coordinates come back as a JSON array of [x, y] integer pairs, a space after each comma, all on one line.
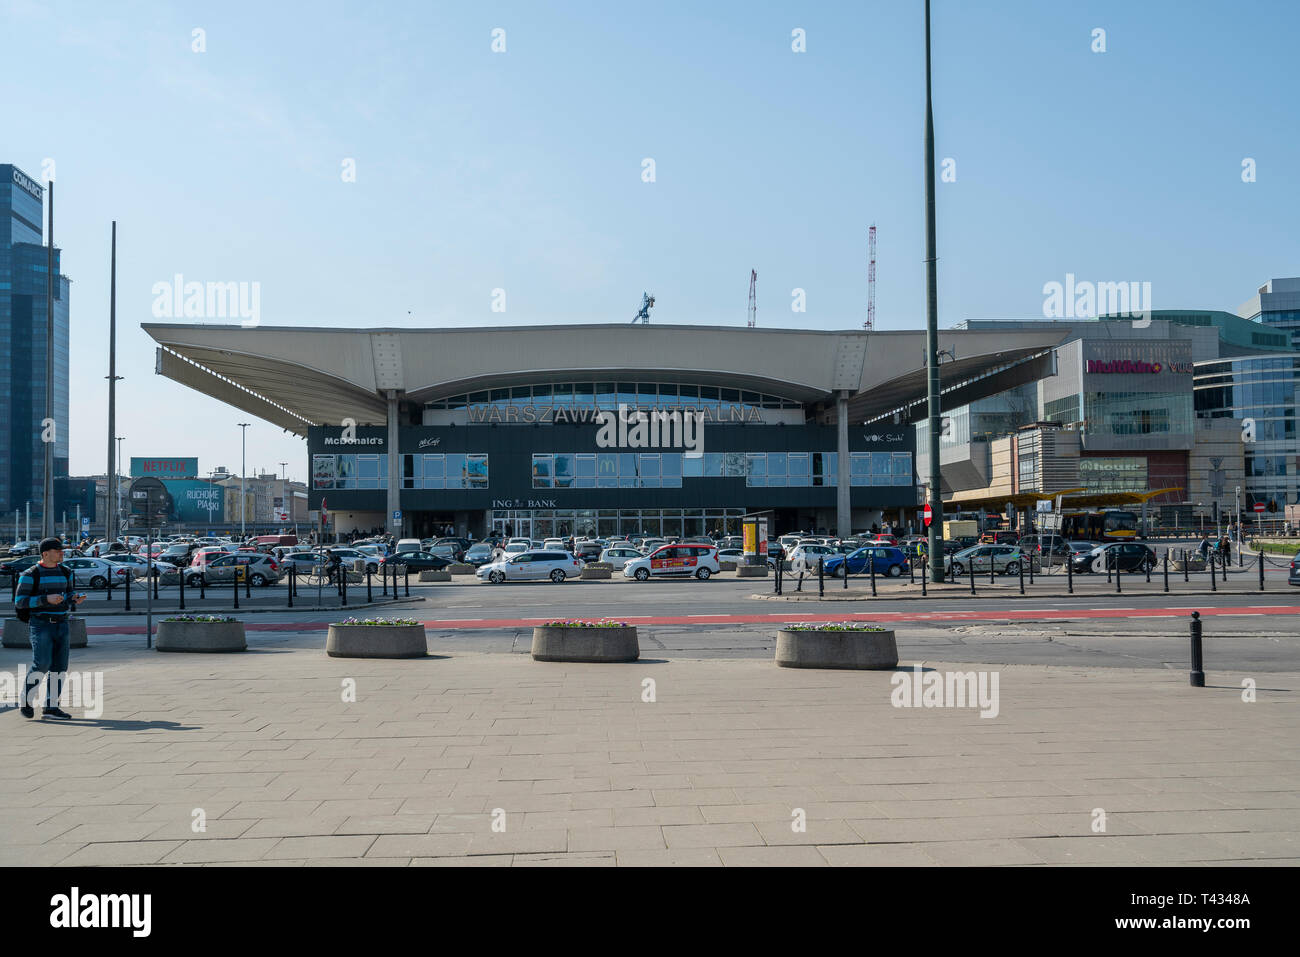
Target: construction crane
[[870, 324], [647, 303], [753, 301]]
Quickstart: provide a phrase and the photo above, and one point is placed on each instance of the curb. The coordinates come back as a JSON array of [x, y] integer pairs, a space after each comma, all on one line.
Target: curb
[[134, 613]]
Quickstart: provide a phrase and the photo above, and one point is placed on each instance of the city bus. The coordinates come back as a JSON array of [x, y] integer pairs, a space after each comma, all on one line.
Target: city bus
[[1109, 524]]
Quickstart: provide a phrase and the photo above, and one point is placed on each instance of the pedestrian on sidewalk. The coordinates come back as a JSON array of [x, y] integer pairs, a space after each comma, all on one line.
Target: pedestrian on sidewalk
[[1204, 547], [44, 598]]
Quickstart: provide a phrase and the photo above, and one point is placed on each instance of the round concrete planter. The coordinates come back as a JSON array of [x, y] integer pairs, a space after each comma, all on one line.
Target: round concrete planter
[[1196, 564], [200, 636], [18, 634], [431, 575], [595, 574], [751, 571], [862, 650], [376, 641], [585, 644], [460, 569]]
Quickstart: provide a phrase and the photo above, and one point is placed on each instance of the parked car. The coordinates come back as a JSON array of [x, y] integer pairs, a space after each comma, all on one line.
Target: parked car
[[260, 570], [649, 545], [409, 545], [1293, 576], [736, 555], [94, 572], [1120, 556], [810, 554], [352, 557], [299, 562], [619, 555], [1046, 545], [422, 561], [1004, 559], [887, 560], [681, 561], [479, 554], [532, 565], [1000, 538], [588, 551], [139, 565]]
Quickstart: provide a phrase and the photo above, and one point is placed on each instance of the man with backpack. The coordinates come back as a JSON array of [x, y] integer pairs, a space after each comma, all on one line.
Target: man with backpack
[[43, 600]]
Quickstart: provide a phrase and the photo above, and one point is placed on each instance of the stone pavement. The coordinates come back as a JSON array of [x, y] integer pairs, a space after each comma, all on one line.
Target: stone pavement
[[584, 772]]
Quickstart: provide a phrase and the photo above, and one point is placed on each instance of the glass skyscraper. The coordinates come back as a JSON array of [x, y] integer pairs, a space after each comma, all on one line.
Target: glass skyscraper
[[23, 311]]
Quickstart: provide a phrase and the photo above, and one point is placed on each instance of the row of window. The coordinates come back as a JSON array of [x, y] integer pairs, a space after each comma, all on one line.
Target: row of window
[[453, 470], [609, 395], [759, 469]]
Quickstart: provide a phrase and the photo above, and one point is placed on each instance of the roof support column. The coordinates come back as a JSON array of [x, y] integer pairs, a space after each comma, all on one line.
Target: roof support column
[[843, 503], [394, 468]]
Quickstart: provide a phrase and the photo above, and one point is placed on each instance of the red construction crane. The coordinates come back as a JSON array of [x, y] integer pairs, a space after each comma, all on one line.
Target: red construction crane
[[753, 300], [870, 324]]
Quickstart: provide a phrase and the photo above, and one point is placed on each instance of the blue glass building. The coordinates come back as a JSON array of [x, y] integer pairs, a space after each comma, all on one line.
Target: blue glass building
[[23, 311]]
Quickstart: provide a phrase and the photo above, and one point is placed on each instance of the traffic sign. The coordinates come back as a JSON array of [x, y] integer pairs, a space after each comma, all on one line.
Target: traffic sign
[[1260, 507], [85, 522], [929, 515]]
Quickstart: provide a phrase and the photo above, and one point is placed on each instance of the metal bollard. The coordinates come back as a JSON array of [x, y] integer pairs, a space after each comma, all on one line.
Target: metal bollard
[[248, 581], [1261, 571], [992, 568], [845, 567], [1119, 575], [799, 584], [181, 586], [1166, 571], [343, 583], [293, 574], [1069, 573], [1146, 564], [911, 573], [925, 573], [369, 594], [1198, 663], [155, 576], [203, 586], [1031, 566], [235, 587], [1225, 569], [406, 580], [1213, 573], [128, 576], [872, 559], [1108, 568], [1185, 572], [1021, 565], [971, 568], [821, 576]]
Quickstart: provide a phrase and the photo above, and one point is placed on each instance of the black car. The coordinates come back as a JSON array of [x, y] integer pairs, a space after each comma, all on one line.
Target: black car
[[1121, 556], [417, 561]]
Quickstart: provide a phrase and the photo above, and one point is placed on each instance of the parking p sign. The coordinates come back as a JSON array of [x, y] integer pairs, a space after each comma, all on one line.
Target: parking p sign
[[397, 516], [85, 523]]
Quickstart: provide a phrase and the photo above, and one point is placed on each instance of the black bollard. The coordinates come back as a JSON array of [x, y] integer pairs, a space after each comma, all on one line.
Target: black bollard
[[925, 568], [110, 587], [129, 574], [1146, 564], [203, 586], [799, 584], [1185, 571], [911, 573], [872, 559], [235, 589], [821, 576], [1213, 573], [844, 567], [1261, 571], [971, 568], [1225, 568], [1069, 573], [181, 586], [1030, 559], [343, 584], [1021, 565], [1119, 575], [1198, 663], [369, 594], [406, 580], [1107, 567], [155, 577], [248, 581], [992, 568], [293, 570], [383, 580], [1166, 571]]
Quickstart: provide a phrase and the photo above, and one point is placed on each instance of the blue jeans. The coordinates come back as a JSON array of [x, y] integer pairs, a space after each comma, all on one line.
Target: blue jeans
[[49, 656]]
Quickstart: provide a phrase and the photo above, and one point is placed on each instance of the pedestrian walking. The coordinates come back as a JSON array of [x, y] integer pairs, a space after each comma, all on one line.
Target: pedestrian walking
[[1204, 547], [44, 599]]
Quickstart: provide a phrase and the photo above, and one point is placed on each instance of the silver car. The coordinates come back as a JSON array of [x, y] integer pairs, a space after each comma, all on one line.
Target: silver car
[[620, 555], [532, 565]]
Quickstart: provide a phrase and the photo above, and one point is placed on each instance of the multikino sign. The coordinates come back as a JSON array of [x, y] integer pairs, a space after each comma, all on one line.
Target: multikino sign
[[1135, 366]]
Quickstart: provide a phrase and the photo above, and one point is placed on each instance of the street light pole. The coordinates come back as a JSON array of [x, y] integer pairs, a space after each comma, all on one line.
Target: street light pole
[[932, 329], [243, 468], [47, 507], [117, 493]]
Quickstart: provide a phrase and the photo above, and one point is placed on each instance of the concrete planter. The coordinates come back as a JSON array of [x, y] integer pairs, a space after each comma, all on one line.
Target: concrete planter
[[460, 568], [18, 634], [1194, 564], [862, 650], [585, 644], [431, 575], [376, 641], [595, 574], [726, 566], [751, 571], [200, 636]]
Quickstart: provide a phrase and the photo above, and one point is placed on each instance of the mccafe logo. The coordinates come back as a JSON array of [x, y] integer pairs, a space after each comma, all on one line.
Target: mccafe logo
[[429, 443]]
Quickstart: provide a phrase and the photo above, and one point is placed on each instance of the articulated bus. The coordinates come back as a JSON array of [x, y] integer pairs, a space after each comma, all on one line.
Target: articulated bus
[[1110, 524]]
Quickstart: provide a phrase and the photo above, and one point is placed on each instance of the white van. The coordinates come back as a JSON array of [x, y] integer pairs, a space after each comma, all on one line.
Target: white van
[[408, 545]]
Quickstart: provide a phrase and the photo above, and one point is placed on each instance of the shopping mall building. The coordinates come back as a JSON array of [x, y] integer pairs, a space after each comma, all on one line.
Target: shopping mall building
[[516, 429]]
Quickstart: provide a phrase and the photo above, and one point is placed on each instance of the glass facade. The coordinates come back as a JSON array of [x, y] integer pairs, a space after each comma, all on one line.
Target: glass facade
[[1125, 419], [23, 302], [759, 469], [1113, 473], [1265, 390], [608, 522], [610, 395], [370, 471]]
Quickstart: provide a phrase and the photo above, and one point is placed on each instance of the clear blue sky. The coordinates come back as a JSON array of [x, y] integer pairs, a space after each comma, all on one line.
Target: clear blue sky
[[522, 170]]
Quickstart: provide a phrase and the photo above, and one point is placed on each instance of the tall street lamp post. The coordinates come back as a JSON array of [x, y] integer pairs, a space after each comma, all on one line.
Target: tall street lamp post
[[932, 329], [243, 469]]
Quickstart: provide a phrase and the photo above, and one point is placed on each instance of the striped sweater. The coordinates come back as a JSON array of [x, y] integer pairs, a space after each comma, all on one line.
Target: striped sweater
[[33, 587]]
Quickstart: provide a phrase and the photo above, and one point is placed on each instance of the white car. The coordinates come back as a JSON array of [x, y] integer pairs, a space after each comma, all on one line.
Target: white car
[[532, 565], [620, 555], [807, 555], [553, 543], [680, 561], [515, 546], [96, 572], [651, 544]]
